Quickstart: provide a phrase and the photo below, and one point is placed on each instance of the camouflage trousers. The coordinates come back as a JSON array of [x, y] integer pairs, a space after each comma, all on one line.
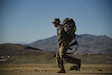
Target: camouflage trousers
[[61, 56]]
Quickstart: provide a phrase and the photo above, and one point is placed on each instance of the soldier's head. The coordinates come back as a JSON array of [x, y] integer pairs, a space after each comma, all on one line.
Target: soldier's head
[[56, 22]]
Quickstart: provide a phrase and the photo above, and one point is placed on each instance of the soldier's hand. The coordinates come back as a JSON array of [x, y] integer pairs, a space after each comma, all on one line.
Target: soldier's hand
[[58, 45]]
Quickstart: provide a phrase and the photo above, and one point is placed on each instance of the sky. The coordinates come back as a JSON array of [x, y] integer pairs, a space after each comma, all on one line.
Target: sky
[[31, 20]]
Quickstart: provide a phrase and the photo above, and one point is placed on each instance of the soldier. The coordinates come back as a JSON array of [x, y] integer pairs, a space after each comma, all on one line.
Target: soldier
[[63, 45]]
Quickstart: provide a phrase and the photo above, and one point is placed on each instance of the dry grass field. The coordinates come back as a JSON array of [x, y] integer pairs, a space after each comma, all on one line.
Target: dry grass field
[[16, 60], [51, 69], [45, 65]]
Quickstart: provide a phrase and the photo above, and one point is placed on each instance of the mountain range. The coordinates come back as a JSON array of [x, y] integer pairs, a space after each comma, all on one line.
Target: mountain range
[[22, 54], [90, 47], [88, 44]]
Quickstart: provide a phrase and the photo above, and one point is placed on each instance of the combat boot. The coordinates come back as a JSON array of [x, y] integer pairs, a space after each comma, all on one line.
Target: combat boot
[[62, 70], [74, 67]]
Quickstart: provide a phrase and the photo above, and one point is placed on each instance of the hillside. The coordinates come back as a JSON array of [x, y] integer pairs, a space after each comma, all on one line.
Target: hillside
[[88, 44], [24, 54], [20, 54], [19, 50]]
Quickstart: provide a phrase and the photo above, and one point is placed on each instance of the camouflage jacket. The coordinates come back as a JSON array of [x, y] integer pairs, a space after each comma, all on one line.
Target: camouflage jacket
[[61, 34]]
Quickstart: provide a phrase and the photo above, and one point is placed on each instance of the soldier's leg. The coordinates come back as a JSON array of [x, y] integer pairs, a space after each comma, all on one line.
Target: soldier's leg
[[59, 61], [63, 50], [74, 60]]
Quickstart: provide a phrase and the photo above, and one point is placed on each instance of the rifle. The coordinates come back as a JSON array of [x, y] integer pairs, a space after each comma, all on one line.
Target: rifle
[[74, 43]]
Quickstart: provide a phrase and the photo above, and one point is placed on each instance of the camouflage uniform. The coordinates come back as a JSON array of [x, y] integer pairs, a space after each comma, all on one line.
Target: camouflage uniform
[[63, 42], [61, 52]]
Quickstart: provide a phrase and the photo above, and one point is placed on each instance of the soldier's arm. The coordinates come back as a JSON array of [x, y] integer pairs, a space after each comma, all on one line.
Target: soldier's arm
[[60, 37]]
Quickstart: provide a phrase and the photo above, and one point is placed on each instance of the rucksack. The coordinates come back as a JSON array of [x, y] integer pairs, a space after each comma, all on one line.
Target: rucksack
[[70, 28]]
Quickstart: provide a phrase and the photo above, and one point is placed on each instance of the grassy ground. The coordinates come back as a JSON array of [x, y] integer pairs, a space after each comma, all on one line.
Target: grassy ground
[[43, 59], [51, 69], [38, 65]]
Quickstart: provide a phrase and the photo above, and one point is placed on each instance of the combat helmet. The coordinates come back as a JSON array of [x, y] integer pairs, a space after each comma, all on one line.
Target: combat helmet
[[56, 20]]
